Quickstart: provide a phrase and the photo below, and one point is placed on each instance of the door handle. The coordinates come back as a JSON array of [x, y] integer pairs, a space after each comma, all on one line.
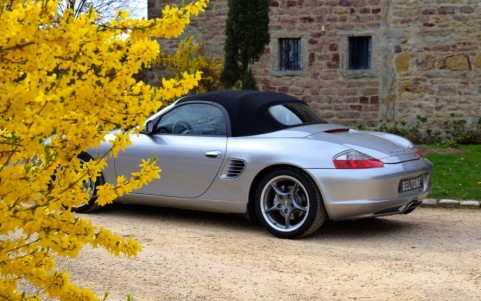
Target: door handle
[[213, 154]]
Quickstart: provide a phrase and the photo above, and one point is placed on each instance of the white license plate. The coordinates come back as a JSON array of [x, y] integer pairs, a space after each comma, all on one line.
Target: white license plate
[[411, 184]]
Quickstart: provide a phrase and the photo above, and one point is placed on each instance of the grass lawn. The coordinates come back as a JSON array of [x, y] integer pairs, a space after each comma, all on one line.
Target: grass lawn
[[457, 173]]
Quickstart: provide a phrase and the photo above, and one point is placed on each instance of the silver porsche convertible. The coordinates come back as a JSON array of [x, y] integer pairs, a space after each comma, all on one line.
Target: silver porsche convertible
[[268, 156]]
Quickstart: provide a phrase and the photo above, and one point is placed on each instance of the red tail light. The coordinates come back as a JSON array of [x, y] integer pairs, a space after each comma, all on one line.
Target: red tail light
[[353, 164], [420, 153], [355, 160]]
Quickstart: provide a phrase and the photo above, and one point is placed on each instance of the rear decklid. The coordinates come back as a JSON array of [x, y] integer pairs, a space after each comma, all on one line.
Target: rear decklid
[[388, 148]]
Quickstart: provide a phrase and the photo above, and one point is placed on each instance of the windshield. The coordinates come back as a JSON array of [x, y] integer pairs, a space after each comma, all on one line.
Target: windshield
[[294, 114]]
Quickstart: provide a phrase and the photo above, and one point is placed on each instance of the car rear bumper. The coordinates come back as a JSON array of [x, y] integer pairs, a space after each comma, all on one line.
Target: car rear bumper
[[362, 193]]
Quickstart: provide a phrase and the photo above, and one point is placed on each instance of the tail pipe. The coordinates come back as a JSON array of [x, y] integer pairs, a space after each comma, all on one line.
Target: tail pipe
[[411, 206]]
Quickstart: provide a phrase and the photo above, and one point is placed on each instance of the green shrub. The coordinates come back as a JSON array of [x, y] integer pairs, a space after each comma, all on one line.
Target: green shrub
[[452, 132]]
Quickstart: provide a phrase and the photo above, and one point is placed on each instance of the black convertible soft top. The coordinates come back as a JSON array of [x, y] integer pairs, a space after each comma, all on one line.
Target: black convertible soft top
[[247, 110]]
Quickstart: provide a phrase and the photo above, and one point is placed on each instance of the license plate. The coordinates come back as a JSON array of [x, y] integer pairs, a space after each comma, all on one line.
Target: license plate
[[411, 184]]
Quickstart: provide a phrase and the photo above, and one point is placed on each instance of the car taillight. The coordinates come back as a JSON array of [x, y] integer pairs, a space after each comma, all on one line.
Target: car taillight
[[355, 160], [420, 153]]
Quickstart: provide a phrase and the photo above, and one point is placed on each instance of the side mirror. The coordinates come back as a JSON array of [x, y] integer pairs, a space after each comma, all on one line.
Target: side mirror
[[149, 127]]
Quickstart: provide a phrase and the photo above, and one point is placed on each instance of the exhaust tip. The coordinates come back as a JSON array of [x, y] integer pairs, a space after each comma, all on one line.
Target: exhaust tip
[[411, 206]]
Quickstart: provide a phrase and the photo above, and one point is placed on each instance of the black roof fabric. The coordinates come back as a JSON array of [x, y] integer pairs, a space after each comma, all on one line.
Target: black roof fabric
[[247, 109]]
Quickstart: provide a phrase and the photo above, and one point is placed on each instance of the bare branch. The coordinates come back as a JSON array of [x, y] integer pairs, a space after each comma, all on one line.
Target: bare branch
[[105, 8]]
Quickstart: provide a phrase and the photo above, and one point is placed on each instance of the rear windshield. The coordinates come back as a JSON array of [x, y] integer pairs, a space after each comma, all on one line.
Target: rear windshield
[[294, 114]]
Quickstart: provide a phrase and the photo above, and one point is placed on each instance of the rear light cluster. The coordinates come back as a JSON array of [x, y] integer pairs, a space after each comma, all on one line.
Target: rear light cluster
[[420, 153], [355, 160]]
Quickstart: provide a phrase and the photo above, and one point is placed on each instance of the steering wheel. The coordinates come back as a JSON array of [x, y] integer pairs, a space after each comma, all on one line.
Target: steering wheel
[[181, 127]]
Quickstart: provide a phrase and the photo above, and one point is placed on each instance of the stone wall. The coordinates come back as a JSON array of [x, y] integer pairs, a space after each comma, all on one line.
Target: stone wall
[[339, 95], [426, 56], [207, 28], [437, 59]]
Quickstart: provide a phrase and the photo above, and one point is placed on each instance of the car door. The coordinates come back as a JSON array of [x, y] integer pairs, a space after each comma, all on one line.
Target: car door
[[189, 142]]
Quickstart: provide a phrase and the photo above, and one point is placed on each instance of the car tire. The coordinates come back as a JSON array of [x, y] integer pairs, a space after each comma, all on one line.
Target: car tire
[[288, 203], [91, 185]]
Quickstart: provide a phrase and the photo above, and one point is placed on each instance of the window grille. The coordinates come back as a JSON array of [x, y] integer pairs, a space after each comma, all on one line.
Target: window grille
[[360, 49], [289, 54]]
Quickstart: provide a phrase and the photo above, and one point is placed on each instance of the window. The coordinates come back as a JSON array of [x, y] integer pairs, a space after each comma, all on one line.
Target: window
[[289, 54], [360, 49], [193, 119], [294, 114]]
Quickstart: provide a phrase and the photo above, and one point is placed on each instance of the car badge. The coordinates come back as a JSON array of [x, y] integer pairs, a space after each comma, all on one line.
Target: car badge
[[396, 150]]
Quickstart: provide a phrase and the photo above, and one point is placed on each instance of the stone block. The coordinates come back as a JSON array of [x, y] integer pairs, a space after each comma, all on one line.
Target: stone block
[[469, 204], [466, 9], [477, 62], [447, 10], [402, 62], [425, 63], [342, 11], [429, 203], [335, 47], [458, 62], [291, 3], [448, 203]]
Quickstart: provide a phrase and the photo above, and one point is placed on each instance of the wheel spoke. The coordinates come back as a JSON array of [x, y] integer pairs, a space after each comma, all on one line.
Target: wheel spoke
[[299, 207], [277, 189], [89, 186], [287, 220], [293, 190], [276, 207]]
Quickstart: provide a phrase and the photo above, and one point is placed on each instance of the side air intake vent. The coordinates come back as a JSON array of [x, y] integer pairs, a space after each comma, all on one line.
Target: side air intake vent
[[233, 168]]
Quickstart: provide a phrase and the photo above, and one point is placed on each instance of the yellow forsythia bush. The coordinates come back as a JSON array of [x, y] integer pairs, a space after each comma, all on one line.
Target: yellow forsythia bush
[[190, 55], [65, 82]]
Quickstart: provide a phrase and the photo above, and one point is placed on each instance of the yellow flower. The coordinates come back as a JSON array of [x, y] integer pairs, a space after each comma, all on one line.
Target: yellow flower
[[66, 83]]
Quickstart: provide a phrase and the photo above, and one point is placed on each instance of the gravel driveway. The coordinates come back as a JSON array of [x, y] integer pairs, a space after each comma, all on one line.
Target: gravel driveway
[[431, 254]]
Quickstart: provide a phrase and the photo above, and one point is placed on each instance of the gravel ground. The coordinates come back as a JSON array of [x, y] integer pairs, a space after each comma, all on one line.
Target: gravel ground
[[430, 254]]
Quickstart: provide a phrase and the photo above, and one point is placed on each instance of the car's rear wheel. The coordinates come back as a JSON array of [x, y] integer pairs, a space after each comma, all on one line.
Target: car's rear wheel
[[288, 204], [90, 185]]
